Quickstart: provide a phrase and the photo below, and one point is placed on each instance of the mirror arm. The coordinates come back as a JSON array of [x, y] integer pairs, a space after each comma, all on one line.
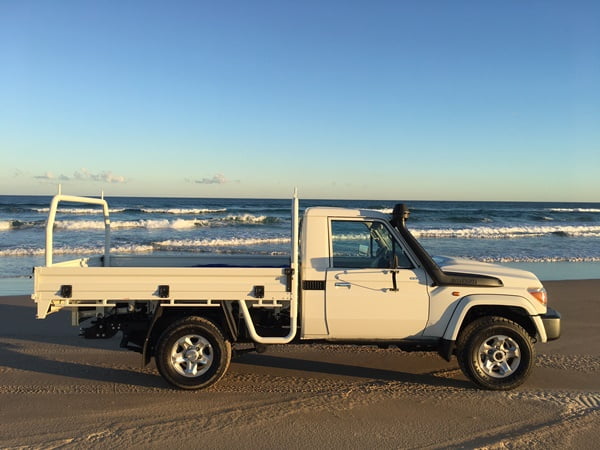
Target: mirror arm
[[394, 282], [394, 273]]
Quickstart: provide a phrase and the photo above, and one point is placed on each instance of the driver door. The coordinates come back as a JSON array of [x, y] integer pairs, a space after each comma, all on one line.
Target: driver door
[[360, 300]]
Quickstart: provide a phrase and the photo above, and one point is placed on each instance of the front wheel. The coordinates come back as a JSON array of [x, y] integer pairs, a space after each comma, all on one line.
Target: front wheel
[[495, 353], [192, 353]]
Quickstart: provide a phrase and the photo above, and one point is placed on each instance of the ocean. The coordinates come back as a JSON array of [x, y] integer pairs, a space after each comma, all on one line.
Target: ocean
[[553, 239]]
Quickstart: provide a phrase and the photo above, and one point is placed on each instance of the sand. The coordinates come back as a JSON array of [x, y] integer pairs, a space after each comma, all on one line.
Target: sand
[[60, 391]]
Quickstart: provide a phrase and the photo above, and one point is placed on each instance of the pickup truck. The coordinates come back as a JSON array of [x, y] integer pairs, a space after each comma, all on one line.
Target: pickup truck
[[353, 276]]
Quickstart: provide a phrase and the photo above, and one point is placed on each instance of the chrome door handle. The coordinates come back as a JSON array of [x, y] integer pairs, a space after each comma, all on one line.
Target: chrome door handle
[[343, 284]]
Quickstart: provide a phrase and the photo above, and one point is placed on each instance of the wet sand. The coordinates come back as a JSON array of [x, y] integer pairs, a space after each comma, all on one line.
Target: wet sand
[[60, 391]]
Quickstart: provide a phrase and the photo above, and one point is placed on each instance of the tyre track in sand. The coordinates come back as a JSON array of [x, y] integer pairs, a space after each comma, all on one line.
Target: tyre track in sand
[[579, 411], [303, 395], [262, 399]]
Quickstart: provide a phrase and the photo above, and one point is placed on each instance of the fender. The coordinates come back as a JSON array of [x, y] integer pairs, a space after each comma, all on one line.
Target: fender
[[497, 301], [228, 327], [146, 354]]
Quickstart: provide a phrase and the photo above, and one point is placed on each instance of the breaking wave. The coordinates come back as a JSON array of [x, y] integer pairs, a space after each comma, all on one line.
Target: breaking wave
[[151, 224], [578, 210], [508, 232], [171, 244], [183, 245], [533, 259], [80, 211], [76, 250], [252, 219], [182, 211], [8, 225], [91, 210], [178, 224]]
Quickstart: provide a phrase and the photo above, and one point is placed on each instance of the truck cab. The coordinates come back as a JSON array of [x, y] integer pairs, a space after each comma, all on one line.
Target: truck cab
[[366, 278], [360, 281]]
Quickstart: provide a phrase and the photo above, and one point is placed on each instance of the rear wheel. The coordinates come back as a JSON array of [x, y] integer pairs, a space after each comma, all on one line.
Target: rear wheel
[[495, 353], [192, 353]]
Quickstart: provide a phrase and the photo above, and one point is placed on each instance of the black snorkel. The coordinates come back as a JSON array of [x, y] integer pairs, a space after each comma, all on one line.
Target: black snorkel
[[400, 215]]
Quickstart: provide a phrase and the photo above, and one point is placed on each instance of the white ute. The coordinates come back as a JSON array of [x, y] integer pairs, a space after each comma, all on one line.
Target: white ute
[[353, 276]]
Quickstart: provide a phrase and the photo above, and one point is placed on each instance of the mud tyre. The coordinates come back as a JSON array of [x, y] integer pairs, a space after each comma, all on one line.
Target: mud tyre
[[192, 353], [495, 353]]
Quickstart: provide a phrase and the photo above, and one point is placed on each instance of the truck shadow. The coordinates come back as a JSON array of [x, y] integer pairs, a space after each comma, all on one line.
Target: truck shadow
[[11, 356], [18, 323], [20, 332], [346, 370]]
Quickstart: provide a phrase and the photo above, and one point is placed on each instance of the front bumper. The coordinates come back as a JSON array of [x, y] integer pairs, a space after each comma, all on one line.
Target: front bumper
[[551, 322]]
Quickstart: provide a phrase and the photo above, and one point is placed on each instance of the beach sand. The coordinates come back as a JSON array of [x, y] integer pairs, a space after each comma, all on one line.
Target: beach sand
[[60, 391]]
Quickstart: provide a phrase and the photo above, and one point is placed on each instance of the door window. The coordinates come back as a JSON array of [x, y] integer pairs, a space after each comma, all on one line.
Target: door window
[[363, 244]]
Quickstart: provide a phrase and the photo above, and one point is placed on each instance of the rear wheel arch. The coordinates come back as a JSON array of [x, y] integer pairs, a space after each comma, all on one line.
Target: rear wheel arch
[[167, 316]]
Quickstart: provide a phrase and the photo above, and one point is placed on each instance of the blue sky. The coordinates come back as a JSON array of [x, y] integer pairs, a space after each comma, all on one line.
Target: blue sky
[[344, 99]]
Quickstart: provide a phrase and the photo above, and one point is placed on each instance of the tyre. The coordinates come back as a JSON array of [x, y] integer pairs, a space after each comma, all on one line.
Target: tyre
[[192, 353], [495, 353]]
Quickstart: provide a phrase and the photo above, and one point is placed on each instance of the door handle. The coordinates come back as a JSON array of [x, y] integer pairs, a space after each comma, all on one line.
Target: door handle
[[343, 284]]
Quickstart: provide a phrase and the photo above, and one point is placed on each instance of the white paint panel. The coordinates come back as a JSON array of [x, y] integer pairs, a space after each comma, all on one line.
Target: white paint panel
[[361, 303]]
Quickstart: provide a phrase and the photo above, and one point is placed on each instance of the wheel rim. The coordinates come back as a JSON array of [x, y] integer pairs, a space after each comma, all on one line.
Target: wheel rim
[[499, 356], [191, 355]]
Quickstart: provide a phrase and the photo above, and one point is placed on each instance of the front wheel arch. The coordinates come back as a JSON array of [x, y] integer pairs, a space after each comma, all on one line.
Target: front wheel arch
[[514, 314], [515, 308]]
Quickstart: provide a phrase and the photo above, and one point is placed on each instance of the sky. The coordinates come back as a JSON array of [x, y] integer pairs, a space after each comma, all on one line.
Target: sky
[[420, 100]]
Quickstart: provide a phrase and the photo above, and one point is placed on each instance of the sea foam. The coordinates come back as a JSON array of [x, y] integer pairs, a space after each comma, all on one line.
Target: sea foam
[[231, 242], [183, 211], [116, 225]]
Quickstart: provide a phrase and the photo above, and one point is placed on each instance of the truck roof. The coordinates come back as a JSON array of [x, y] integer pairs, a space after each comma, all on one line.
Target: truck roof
[[324, 211]]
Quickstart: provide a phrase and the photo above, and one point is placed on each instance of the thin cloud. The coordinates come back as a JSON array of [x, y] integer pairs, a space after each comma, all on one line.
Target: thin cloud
[[83, 175], [46, 177], [217, 179], [105, 177], [49, 176]]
